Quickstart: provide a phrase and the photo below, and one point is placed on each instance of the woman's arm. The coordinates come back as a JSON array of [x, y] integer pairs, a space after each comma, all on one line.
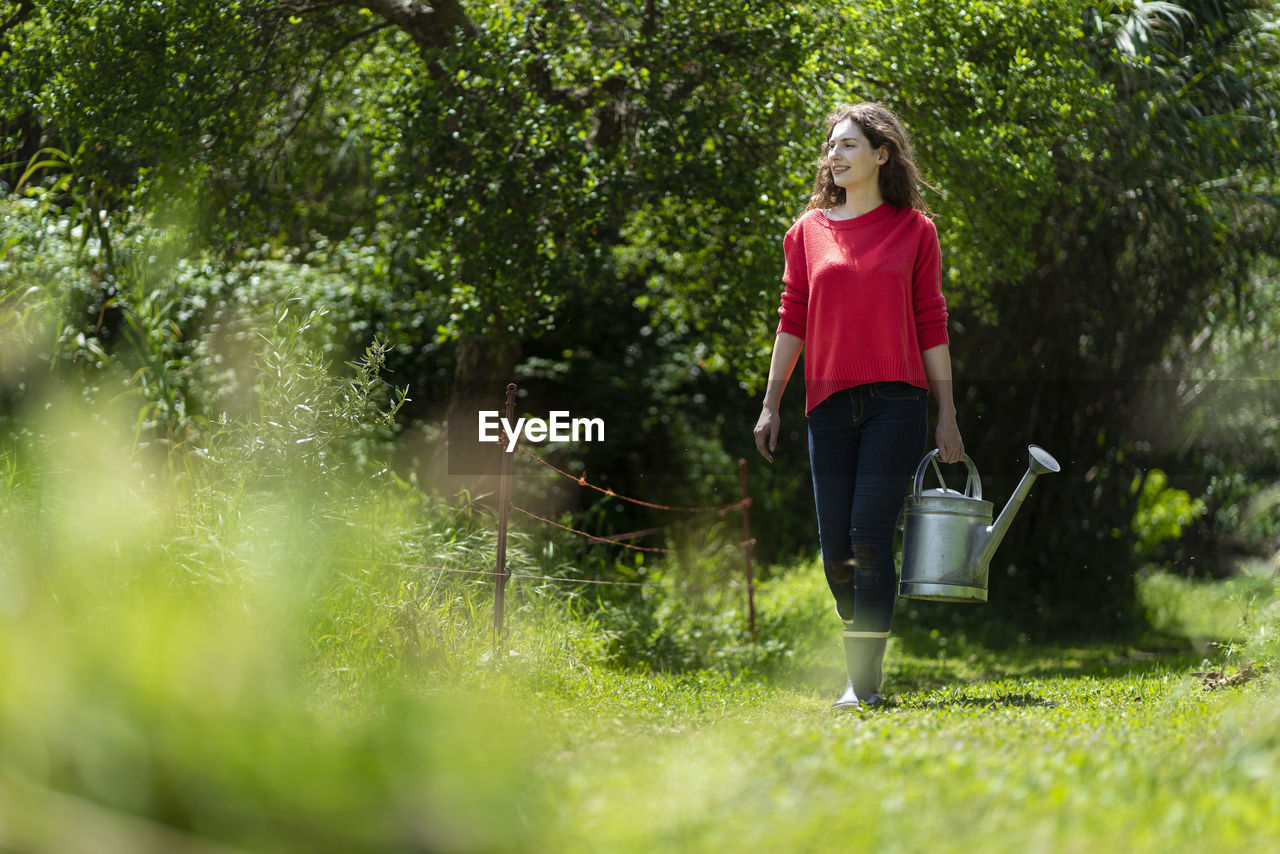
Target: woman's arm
[[786, 352], [937, 367]]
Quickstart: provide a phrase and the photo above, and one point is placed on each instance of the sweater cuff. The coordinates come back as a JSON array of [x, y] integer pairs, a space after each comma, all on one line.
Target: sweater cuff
[[789, 326], [932, 336]]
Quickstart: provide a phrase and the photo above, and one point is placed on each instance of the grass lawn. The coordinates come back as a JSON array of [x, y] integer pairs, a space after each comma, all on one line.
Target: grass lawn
[[1037, 749], [1048, 750], [225, 680], [1053, 749]]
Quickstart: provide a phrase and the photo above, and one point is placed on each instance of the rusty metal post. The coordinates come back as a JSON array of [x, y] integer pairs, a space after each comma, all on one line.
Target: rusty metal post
[[504, 509], [747, 543]]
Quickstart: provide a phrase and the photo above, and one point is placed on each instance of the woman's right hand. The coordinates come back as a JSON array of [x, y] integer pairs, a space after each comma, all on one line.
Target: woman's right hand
[[766, 432], [786, 352]]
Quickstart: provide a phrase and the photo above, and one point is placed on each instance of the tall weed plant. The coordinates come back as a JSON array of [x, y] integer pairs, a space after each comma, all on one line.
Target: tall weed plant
[[165, 714], [258, 646]]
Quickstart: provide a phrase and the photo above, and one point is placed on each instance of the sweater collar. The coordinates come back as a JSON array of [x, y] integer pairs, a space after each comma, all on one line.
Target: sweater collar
[[871, 217]]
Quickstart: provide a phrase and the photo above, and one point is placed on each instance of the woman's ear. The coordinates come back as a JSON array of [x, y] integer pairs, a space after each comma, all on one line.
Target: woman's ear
[[882, 155]]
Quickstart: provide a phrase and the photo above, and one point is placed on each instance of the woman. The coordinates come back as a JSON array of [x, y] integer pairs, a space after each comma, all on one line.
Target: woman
[[863, 297]]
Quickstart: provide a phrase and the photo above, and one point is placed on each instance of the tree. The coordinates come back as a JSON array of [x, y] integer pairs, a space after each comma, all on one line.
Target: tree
[[519, 166], [1157, 206], [542, 145], [515, 147]]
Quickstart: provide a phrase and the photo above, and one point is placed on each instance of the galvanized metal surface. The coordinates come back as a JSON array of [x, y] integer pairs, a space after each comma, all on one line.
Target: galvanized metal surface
[[948, 536]]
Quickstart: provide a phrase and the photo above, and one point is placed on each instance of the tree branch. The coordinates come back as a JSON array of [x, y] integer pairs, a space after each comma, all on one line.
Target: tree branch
[[649, 21], [430, 27], [539, 77], [315, 86], [24, 10]]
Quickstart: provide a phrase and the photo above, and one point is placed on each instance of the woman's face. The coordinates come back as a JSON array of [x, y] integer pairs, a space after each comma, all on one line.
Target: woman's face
[[852, 160]]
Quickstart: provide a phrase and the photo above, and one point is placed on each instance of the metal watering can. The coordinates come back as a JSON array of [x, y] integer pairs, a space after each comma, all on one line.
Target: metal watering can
[[948, 538]]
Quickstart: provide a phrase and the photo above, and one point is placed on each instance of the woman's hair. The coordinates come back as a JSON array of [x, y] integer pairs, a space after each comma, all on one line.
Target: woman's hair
[[899, 177]]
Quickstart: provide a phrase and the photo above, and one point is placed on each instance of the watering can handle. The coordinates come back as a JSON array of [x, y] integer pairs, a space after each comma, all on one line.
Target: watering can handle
[[972, 486]]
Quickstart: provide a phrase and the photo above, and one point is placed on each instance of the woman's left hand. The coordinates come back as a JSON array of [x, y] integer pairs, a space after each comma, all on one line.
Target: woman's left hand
[[937, 366], [950, 445]]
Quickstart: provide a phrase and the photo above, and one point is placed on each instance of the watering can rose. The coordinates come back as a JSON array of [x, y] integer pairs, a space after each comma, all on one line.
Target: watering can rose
[[559, 426]]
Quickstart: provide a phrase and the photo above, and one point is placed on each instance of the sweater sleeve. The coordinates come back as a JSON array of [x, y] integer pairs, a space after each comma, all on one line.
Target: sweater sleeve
[[794, 311], [929, 304]]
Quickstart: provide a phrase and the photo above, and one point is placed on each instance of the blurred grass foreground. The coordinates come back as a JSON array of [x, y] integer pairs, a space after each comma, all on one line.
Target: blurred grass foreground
[[186, 659], [241, 647]]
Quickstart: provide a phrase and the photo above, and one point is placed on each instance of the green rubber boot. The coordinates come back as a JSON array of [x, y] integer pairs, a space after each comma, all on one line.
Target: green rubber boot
[[864, 659]]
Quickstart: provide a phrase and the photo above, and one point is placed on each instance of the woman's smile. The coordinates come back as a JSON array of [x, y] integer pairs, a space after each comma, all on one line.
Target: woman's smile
[[851, 157]]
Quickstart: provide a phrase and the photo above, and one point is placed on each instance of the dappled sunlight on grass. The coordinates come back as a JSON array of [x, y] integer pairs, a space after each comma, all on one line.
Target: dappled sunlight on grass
[[1076, 762]]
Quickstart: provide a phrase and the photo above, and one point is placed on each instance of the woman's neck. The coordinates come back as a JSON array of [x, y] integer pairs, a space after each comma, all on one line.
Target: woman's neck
[[858, 201]]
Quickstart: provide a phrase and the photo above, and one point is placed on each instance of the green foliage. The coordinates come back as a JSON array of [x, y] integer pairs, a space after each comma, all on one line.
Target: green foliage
[[538, 142], [1181, 166], [1222, 385], [1162, 511], [305, 422], [165, 709], [599, 189], [996, 98], [168, 330], [196, 76], [1232, 611]]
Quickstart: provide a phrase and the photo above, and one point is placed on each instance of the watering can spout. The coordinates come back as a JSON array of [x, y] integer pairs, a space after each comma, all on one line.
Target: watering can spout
[[1040, 462]]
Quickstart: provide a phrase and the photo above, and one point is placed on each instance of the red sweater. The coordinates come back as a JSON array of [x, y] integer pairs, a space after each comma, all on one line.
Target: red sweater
[[865, 296]]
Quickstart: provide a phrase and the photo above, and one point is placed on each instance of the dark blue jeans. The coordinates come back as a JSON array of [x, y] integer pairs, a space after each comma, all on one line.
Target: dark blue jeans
[[864, 446]]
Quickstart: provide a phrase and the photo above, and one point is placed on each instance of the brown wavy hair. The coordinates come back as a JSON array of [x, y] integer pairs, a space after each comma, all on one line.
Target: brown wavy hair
[[900, 180]]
